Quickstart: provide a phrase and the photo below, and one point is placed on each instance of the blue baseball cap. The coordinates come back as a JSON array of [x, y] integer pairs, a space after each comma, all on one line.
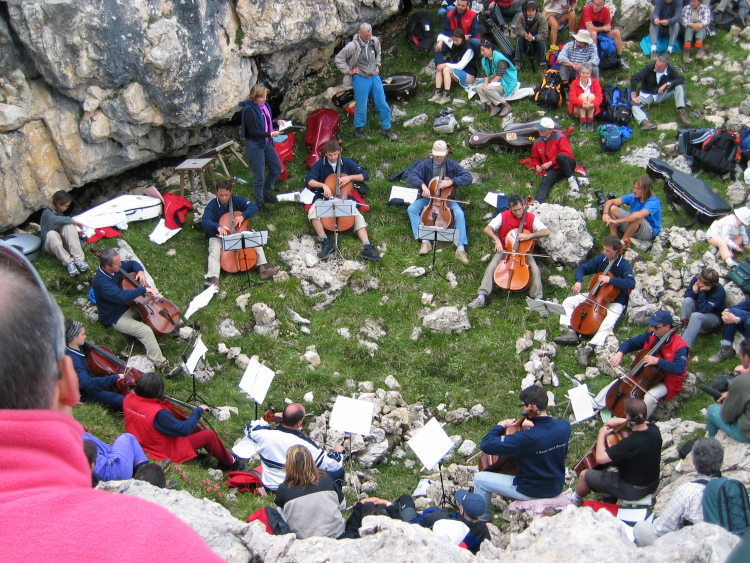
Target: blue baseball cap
[[661, 318], [472, 503]]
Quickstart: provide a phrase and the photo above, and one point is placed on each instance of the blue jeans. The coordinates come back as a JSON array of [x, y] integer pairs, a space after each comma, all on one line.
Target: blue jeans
[[260, 159], [487, 482], [459, 220], [365, 88], [715, 423], [106, 398]]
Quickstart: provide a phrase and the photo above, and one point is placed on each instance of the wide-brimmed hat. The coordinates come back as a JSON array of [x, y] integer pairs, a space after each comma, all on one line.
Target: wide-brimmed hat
[[743, 214], [583, 36], [439, 148]]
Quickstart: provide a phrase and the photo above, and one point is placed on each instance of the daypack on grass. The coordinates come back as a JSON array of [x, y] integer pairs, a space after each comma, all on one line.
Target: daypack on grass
[[610, 137], [419, 33], [617, 104], [246, 481], [550, 92], [740, 275], [720, 152], [725, 503], [608, 57]]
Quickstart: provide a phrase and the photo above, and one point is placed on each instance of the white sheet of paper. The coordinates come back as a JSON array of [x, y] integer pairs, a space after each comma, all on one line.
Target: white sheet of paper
[[256, 381], [285, 125], [162, 233], [632, 514], [291, 196], [409, 195], [430, 444], [199, 351], [307, 196], [201, 300], [422, 486], [580, 400], [491, 198], [245, 448], [352, 415]]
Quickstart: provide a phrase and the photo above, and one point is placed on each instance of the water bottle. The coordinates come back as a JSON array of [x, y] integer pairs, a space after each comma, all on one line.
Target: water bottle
[[240, 180]]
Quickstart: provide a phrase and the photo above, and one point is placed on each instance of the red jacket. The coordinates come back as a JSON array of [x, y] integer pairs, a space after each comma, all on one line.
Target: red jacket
[[510, 222], [576, 90], [673, 381], [139, 421], [543, 151]]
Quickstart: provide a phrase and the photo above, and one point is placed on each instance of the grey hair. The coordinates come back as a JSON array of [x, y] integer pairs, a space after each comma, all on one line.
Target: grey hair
[[365, 27], [106, 257], [663, 59], [588, 66], [708, 455]]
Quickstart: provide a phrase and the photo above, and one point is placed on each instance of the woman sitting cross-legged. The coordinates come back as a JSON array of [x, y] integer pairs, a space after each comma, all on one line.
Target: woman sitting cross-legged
[[165, 437], [585, 97], [311, 502]]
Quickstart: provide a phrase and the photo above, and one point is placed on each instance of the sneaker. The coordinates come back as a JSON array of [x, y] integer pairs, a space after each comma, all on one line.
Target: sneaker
[[165, 464], [266, 272], [518, 66], [646, 125], [425, 248], [360, 133], [236, 465], [436, 96], [479, 302], [494, 110], [573, 184], [682, 118], [686, 56], [82, 267], [211, 281], [570, 338], [505, 109], [326, 249], [72, 270], [390, 135], [725, 352], [445, 98], [270, 199], [584, 354], [368, 253], [461, 255]]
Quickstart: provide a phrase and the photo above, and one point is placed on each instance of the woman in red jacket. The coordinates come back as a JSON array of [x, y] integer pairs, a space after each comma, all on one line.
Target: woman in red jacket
[[585, 98], [165, 437]]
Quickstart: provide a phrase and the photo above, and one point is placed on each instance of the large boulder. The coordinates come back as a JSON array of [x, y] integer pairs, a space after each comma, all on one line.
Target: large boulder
[[569, 241]]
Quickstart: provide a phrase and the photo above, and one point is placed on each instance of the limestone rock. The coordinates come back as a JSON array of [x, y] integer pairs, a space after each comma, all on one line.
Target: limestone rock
[[228, 330], [417, 121], [447, 320], [569, 241], [392, 383]]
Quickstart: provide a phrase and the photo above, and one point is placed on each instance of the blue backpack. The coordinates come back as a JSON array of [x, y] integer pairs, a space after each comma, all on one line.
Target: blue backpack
[[745, 144], [608, 57], [610, 137]]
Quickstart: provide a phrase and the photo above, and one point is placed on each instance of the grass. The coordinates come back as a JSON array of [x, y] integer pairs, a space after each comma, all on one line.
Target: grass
[[478, 366]]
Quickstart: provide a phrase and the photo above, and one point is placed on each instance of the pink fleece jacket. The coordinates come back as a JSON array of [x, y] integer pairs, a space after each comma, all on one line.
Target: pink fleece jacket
[[48, 510]]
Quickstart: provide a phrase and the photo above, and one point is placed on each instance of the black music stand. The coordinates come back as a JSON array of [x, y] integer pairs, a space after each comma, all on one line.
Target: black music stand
[[243, 241], [338, 209], [435, 235], [194, 396]]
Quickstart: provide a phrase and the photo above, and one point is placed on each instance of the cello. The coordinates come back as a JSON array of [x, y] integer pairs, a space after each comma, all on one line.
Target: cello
[[239, 260], [588, 316], [438, 213], [503, 464], [333, 181], [640, 378], [588, 461], [158, 313], [513, 273]]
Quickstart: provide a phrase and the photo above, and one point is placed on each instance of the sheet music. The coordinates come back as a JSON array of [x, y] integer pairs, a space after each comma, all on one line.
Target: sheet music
[[580, 401], [201, 300], [430, 444], [632, 514], [245, 448], [408, 195], [256, 381], [491, 198], [199, 351], [307, 196], [352, 415]]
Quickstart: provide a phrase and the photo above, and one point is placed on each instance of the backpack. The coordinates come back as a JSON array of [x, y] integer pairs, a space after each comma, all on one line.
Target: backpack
[[272, 520], [745, 145], [610, 137], [719, 152], [445, 123], [246, 481], [608, 57], [419, 33], [552, 53], [617, 104], [550, 92], [725, 503]]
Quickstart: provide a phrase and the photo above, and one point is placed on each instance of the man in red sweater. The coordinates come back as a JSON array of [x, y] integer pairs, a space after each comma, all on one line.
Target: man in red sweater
[[551, 154], [48, 509], [597, 19]]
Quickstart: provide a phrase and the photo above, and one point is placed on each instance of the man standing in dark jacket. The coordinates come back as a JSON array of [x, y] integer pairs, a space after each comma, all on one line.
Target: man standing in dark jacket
[[658, 82], [539, 451]]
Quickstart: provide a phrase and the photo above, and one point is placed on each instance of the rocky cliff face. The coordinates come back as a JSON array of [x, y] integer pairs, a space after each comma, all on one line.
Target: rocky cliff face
[[92, 88]]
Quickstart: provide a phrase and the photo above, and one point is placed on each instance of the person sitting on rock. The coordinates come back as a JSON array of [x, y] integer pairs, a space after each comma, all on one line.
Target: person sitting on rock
[[735, 319], [731, 412], [596, 19], [59, 234], [539, 451], [702, 304], [581, 49], [501, 80], [463, 68], [585, 97], [551, 154], [659, 81], [665, 20], [729, 234], [695, 20], [531, 35], [637, 458], [643, 221], [686, 504]]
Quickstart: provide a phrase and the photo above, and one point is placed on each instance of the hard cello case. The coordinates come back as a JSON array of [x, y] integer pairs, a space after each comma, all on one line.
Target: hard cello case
[[692, 193], [323, 125], [515, 136], [400, 87]]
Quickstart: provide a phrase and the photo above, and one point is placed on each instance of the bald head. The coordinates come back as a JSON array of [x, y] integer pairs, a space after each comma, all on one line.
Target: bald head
[[293, 415]]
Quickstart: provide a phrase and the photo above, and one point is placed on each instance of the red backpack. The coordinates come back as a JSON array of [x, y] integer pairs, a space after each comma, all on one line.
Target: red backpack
[[247, 481]]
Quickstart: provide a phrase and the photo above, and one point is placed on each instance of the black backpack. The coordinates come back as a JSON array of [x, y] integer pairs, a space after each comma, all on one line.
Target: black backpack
[[419, 32], [725, 503], [719, 153], [550, 92], [617, 104]]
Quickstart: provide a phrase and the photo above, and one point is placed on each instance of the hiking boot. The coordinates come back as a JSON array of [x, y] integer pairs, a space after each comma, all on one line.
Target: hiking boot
[[263, 209], [583, 354], [204, 460], [169, 371], [686, 56], [211, 281], [646, 125], [505, 109], [72, 270], [570, 338], [584, 127], [543, 69], [653, 55], [236, 465], [479, 302], [436, 96], [461, 255], [270, 199], [682, 118], [266, 272], [725, 352], [82, 267], [368, 253], [360, 133], [165, 464], [425, 248], [573, 184], [494, 110], [390, 135], [325, 249], [445, 98]]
